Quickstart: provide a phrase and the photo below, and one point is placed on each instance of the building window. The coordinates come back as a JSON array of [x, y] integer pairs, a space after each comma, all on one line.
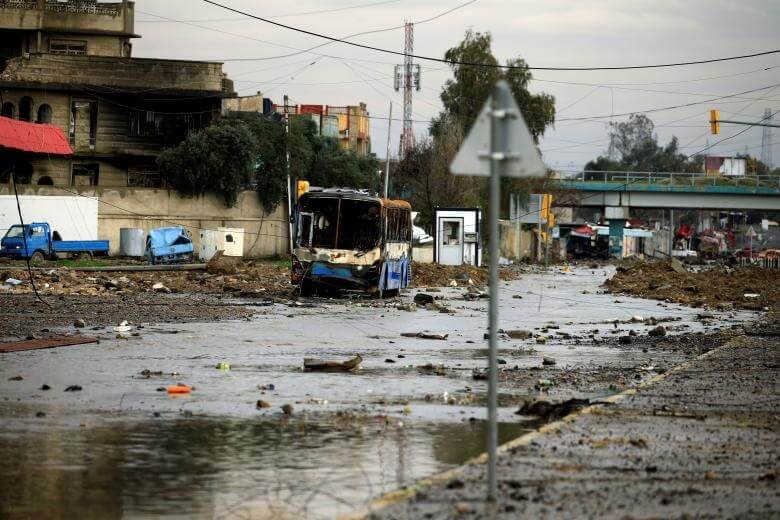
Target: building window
[[26, 109], [138, 178], [23, 172], [72, 47], [146, 123], [9, 110], [44, 113], [85, 174], [78, 111]]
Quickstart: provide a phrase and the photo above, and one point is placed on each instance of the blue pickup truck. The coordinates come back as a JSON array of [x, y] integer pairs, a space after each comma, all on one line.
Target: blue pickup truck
[[40, 244]]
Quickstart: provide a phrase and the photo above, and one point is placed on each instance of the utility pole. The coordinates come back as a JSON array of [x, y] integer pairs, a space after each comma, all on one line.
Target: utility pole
[[409, 79], [387, 159], [766, 140], [287, 166]]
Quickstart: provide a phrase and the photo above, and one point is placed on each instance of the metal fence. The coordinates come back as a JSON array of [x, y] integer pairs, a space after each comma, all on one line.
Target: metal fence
[[675, 179]]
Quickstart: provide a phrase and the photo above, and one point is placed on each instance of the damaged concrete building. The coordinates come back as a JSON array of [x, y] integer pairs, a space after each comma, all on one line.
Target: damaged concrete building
[[69, 63]]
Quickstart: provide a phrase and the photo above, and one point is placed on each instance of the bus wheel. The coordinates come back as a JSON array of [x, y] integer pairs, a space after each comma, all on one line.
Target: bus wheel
[[37, 258]]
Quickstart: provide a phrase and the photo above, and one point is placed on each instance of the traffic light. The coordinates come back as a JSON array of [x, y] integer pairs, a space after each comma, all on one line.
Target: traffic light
[[715, 122]]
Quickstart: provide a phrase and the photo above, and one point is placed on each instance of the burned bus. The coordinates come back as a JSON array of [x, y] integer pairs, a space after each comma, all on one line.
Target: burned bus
[[350, 240]]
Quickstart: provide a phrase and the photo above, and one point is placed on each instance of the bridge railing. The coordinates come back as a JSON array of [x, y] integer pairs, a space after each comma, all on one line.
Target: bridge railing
[[676, 179]]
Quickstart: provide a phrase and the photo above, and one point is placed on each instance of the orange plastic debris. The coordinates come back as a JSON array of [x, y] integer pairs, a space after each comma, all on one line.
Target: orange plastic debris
[[179, 389]]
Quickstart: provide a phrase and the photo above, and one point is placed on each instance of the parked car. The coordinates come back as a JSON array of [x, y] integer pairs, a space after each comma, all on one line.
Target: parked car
[[169, 245]]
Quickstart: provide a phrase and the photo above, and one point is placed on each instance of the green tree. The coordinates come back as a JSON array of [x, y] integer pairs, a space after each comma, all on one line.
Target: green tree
[[219, 159], [635, 146], [464, 95]]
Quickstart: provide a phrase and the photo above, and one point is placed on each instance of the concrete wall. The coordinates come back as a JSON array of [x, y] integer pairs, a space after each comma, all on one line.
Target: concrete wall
[[508, 244], [423, 254], [265, 234], [70, 16], [142, 73]]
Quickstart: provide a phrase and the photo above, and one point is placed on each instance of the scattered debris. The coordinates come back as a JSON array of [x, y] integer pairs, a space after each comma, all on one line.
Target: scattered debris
[[320, 365], [222, 365], [548, 361], [35, 344], [658, 331], [45, 387], [519, 334], [549, 410], [16, 378], [423, 299], [159, 287], [269, 387], [79, 323], [424, 335], [73, 388], [263, 404], [179, 388], [287, 409]]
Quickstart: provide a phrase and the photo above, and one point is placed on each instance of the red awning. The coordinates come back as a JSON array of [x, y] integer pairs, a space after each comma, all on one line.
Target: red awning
[[33, 137]]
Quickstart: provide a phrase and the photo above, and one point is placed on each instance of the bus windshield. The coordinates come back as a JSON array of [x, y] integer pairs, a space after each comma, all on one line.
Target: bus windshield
[[334, 223]]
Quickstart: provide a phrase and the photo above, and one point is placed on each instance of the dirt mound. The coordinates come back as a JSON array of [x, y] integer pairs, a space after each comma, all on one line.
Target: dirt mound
[[436, 275], [744, 287], [250, 279]]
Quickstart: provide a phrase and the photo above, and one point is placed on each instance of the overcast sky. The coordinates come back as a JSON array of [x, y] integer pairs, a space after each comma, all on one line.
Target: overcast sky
[[543, 32]]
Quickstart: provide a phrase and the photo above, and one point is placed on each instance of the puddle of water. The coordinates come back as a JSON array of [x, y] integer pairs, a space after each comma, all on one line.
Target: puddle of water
[[206, 467]]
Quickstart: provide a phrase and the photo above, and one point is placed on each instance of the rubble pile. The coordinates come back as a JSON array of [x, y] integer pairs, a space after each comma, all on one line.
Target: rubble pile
[[436, 275], [721, 287], [247, 279]]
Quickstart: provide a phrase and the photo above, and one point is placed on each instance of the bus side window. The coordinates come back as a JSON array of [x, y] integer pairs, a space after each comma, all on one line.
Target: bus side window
[[305, 223]]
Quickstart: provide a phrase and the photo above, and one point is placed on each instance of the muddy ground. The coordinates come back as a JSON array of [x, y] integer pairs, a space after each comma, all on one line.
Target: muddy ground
[[719, 286], [416, 406], [700, 442], [106, 298]]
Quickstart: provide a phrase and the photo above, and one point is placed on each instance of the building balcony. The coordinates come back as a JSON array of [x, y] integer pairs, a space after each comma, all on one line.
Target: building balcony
[[105, 74], [84, 16]]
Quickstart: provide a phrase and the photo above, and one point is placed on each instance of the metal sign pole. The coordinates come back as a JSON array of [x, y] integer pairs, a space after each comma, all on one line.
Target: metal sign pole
[[498, 145], [495, 196]]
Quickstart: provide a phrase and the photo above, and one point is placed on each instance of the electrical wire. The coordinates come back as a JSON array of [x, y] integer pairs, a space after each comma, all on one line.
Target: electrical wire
[[24, 241], [486, 65], [288, 15], [770, 116]]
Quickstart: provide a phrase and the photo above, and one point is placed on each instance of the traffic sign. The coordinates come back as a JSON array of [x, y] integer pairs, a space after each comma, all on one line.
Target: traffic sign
[[517, 150]]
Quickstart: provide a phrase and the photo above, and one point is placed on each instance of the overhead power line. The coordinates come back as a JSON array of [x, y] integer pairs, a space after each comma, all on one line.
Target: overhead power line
[[287, 15], [487, 65]]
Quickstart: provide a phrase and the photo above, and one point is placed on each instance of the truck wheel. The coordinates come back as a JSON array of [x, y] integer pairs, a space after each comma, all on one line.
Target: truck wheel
[[37, 258]]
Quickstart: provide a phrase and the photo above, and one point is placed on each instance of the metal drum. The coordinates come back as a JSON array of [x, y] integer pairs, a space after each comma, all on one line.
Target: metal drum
[[132, 242]]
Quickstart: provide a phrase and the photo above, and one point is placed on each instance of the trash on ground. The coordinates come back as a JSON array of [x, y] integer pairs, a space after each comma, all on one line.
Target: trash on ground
[[222, 365], [35, 344], [322, 365], [424, 335], [179, 389], [549, 410]]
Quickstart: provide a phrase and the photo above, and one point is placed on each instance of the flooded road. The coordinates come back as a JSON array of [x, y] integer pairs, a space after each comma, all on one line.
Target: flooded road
[[120, 447]]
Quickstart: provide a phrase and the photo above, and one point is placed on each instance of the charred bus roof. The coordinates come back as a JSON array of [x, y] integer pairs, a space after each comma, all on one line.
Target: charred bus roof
[[353, 194]]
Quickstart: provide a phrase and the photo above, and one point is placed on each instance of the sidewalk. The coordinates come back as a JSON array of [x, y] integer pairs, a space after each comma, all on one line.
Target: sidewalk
[[703, 440]]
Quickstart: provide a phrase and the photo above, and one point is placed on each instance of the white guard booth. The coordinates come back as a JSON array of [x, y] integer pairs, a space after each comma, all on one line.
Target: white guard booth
[[228, 240], [457, 236]]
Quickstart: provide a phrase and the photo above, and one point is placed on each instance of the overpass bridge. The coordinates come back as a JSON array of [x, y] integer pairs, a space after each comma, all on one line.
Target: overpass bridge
[[618, 192], [671, 190]]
